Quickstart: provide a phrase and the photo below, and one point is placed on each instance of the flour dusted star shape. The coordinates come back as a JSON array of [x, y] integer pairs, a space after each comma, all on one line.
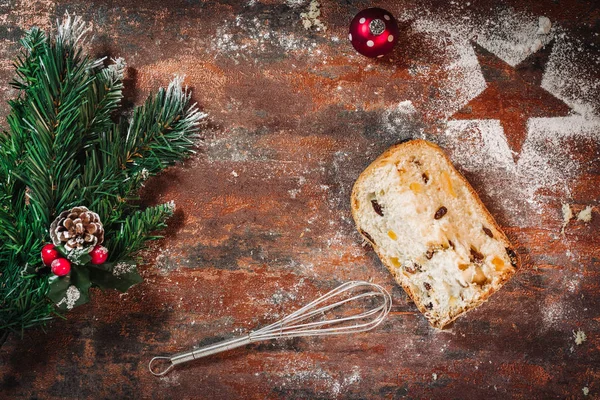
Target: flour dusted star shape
[[513, 95]]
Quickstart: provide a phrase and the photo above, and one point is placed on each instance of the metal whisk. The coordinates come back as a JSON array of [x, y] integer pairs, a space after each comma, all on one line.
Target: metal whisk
[[304, 322]]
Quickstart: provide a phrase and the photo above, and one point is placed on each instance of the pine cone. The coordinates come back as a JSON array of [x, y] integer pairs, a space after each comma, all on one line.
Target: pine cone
[[77, 229]]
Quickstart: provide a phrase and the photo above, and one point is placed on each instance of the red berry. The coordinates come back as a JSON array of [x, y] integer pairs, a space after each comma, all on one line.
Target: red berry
[[99, 255], [61, 266], [49, 254], [374, 32]]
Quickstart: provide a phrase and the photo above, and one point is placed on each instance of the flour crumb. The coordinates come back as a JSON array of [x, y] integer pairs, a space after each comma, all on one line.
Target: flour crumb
[[544, 26], [311, 18], [579, 337], [585, 215], [567, 216], [585, 391], [537, 44], [434, 376], [235, 174]]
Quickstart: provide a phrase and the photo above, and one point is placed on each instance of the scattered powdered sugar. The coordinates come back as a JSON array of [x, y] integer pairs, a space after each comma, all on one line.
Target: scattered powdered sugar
[[512, 36], [406, 107], [484, 135], [569, 76], [305, 374], [480, 147], [246, 37], [293, 193], [463, 75], [572, 281], [353, 378], [509, 34], [123, 268], [513, 181], [552, 313], [282, 296], [401, 121]]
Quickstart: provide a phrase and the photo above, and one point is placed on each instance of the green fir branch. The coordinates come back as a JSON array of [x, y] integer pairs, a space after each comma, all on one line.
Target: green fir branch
[[51, 113], [27, 63], [67, 146], [136, 229], [162, 130], [102, 99]]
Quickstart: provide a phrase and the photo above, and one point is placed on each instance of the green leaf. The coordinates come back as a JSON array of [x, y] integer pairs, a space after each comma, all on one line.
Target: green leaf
[[79, 257], [103, 277], [58, 287], [62, 288], [80, 276]]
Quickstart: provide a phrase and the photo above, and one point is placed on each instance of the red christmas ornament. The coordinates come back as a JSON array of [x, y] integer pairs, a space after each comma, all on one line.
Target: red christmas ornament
[[49, 254], [373, 32], [99, 255], [61, 266]]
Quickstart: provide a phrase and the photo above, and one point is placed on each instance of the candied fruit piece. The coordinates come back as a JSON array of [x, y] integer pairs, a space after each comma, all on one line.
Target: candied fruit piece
[[498, 263], [447, 183], [479, 277], [415, 187]]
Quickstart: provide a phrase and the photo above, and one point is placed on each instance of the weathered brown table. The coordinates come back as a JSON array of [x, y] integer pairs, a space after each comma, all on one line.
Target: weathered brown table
[[263, 222]]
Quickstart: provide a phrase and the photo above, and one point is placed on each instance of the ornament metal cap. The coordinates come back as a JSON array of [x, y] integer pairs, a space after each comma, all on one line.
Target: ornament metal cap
[[377, 27]]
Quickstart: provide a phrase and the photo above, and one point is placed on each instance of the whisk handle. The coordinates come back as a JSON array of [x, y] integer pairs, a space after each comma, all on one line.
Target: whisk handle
[[205, 351]]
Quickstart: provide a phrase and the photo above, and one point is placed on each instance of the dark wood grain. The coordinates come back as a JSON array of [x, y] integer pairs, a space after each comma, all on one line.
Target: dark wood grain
[[263, 223]]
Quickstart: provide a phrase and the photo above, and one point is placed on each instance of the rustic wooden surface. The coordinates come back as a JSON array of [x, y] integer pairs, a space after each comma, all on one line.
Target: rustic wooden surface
[[263, 222]]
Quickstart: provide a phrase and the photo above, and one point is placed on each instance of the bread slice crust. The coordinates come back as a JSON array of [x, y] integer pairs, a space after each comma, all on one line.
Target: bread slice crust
[[400, 153]]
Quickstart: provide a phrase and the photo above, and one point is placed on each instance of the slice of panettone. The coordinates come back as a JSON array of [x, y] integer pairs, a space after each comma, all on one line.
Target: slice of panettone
[[431, 230]]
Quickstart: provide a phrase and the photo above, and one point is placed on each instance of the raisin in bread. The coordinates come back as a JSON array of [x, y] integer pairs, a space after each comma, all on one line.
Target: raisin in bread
[[430, 229]]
